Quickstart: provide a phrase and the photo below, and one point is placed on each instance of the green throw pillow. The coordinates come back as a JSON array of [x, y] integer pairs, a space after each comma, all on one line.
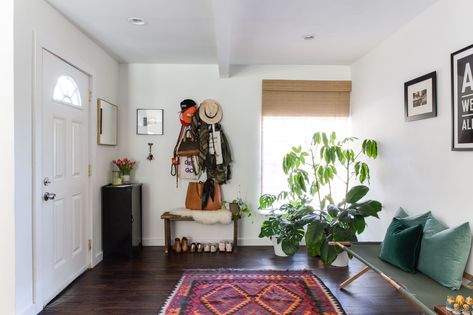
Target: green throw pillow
[[414, 220], [444, 253], [401, 245], [433, 226], [401, 213]]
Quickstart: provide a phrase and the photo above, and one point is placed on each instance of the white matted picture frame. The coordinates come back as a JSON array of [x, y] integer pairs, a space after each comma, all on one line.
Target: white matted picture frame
[[462, 99], [420, 97], [149, 121]]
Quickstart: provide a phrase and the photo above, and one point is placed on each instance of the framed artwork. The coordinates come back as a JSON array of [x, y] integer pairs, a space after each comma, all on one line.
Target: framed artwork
[[149, 121], [420, 97], [462, 99]]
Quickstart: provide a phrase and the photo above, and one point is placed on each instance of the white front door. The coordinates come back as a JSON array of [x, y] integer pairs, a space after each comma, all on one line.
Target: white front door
[[65, 106]]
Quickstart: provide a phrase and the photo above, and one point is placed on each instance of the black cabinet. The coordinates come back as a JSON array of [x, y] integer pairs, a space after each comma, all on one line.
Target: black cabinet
[[121, 219]]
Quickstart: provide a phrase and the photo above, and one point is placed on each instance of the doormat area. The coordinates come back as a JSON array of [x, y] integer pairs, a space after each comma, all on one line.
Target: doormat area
[[218, 292]]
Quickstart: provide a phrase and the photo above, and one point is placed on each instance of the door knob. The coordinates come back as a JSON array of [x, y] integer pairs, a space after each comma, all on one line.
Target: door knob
[[49, 196]]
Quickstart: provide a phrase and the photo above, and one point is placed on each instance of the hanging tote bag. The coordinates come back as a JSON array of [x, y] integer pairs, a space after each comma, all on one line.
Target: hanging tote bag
[[189, 145], [204, 196], [194, 196], [189, 168]]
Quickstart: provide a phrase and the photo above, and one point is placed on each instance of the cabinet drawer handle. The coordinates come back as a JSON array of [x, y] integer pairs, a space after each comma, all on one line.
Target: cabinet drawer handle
[[132, 219]]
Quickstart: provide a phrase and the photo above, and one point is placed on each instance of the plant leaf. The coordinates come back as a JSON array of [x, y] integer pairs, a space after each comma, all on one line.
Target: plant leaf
[[333, 211], [344, 234], [314, 188], [359, 224], [356, 193], [267, 229], [266, 201], [370, 148], [365, 173], [324, 138], [328, 253], [289, 247], [369, 208], [317, 138], [314, 238]]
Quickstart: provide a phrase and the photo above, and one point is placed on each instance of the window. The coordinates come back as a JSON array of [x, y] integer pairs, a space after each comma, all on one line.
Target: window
[[66, 91], [280, 134], [292, 112]]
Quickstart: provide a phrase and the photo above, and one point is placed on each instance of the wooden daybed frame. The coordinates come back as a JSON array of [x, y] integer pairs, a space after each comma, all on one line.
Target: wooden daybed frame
[[425, 293]]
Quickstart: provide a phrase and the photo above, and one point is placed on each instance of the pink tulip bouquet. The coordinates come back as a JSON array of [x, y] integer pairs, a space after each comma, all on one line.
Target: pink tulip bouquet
[[125, 165]]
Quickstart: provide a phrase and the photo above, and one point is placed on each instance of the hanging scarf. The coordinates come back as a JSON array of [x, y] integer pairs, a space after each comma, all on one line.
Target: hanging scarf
[[209, 192], [204, 144]]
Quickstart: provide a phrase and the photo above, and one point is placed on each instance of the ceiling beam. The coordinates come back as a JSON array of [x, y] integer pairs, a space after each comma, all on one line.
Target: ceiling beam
[[222, 26]]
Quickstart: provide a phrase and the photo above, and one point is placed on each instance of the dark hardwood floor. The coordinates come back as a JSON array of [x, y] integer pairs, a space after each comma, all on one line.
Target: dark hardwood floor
[[141, 285]]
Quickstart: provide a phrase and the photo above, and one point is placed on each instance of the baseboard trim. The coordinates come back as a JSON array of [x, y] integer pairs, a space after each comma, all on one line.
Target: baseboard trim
[[241, 241], [31, 309], [153, 241], [97, 259]]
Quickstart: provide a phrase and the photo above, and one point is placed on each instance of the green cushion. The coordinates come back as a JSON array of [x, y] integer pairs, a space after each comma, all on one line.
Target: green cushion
[[401, 213], [414, 220], [433, 227], [401, 245], [444, 253]]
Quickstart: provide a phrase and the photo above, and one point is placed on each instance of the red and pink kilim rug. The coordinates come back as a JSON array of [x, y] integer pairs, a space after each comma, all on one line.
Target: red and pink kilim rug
[[232, 292]]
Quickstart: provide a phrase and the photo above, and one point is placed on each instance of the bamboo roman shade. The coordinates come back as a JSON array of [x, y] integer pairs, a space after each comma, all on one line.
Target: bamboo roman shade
[[306, 98]]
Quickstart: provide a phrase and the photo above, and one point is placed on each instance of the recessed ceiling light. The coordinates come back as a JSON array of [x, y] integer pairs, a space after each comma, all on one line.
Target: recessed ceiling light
[[137, 21], [308, 37]]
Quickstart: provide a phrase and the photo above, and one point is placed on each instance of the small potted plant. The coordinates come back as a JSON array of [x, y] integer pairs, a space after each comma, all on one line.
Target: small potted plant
[[285, 225], [240, 208], [125, 166]]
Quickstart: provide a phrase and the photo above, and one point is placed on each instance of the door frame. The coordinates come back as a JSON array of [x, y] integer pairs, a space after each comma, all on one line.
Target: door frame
[[52, 45]]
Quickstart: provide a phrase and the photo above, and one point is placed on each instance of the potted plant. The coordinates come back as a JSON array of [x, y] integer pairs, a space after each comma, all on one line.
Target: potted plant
[[240, 208], [285, 226], [313, 174]]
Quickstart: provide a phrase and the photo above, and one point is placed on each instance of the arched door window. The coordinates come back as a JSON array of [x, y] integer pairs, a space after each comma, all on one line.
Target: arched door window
[[66, 91]]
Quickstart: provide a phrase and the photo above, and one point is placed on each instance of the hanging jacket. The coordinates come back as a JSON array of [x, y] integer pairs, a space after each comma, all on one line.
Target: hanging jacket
[[220, 172]]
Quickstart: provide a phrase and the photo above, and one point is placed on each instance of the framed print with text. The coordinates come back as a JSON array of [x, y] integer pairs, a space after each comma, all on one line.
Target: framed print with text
[[462, 99]]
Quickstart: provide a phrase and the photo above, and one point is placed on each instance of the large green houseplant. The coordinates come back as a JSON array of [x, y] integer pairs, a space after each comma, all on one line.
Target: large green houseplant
[[309, 209]]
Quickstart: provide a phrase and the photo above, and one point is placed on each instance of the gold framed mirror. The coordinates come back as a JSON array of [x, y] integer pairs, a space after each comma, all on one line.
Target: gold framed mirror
[[107, 123]]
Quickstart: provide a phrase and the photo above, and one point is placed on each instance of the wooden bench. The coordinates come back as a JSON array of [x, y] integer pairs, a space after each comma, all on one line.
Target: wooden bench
[[168, 217]]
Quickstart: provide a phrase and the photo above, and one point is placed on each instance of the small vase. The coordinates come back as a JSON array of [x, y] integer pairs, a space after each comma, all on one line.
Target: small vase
[[126, 178], [116, 179]]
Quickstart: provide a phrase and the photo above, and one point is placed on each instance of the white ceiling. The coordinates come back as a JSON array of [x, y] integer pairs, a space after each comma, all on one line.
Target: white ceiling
[[240, 32]]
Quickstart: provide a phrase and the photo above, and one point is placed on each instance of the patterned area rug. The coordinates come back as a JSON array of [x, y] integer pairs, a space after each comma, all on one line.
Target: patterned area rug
[[232, 292]]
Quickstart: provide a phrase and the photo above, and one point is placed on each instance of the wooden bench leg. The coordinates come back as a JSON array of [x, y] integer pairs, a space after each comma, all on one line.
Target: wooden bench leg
[[354, 277], [167, 236], [235, 234]]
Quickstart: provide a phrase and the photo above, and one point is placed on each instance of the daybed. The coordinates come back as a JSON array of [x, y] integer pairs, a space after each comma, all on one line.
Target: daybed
[[418, 288]]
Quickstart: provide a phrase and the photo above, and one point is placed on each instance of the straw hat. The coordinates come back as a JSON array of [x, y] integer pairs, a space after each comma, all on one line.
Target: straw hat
[[210, 111]]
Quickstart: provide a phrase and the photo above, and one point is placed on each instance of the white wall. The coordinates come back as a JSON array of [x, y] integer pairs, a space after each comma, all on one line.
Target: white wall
[[165, 86], [416, 168], [7, 187], [37, 16]]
